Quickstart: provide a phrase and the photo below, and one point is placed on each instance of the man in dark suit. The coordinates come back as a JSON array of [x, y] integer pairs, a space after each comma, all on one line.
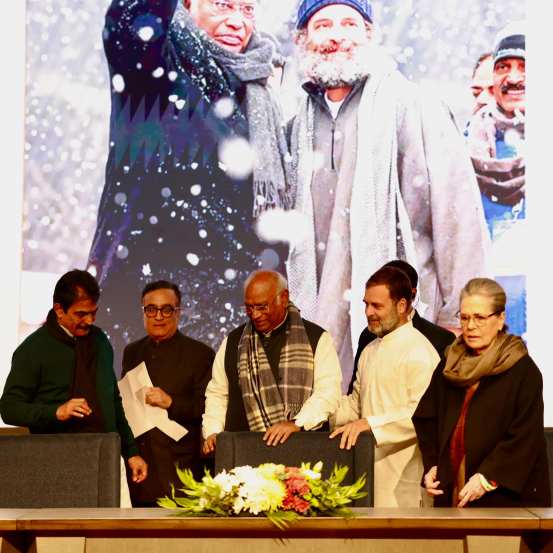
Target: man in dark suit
[[179, 368], [439, 337]]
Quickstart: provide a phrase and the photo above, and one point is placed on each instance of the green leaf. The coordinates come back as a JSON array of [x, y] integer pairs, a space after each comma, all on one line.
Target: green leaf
[[166, 502], [282, 519]]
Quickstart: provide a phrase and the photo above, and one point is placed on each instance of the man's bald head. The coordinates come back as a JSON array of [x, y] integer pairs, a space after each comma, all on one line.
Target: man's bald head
[[266, 299], [265, 277]]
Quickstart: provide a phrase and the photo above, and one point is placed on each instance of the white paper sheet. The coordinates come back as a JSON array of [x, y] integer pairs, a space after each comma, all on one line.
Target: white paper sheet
[[141, 416]]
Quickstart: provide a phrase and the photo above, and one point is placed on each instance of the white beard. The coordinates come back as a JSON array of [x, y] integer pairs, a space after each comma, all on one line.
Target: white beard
[[332, 70]]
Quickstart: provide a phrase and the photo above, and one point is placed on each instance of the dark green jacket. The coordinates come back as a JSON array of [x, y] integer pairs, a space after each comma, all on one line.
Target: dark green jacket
[[40, 381]]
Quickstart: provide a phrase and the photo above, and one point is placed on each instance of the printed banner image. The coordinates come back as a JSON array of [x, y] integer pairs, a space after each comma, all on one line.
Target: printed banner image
[[160, 147]]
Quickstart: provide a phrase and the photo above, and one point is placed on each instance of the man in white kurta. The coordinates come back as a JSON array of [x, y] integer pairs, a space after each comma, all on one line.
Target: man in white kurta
[[394, 372]]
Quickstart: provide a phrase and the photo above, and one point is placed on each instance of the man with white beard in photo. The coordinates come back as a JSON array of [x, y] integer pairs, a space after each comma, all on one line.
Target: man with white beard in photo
[[380, 172]]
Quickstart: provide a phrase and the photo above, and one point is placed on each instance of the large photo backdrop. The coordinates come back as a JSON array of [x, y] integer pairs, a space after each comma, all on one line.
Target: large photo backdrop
[[170, 206]]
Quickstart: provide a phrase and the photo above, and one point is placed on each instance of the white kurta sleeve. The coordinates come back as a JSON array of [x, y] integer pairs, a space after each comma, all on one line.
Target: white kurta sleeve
[[216, 396], [349, 408], [395, 426], [327, 386]]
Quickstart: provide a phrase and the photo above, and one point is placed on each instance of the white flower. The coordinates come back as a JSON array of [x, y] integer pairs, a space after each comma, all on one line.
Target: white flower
[[238, 505], [226, 482], [244, 473], [311, 474], [270, 470], [253, 490], [262, 494]]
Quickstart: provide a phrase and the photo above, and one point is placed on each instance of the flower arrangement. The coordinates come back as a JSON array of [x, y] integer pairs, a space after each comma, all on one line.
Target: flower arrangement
[[282, 494]]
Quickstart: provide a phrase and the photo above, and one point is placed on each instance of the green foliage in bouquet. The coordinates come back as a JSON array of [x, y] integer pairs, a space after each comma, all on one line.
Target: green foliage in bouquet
[[280, 493]]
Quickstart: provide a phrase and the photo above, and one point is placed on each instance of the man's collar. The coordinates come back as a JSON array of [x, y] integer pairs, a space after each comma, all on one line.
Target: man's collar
[[158, 343]]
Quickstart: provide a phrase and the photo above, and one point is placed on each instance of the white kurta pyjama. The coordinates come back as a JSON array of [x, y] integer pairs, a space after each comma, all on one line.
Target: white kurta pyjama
[[394, 372]]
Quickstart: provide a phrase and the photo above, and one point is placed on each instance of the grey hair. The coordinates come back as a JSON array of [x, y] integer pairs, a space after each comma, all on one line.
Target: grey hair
[[279, 279], [486, 287]]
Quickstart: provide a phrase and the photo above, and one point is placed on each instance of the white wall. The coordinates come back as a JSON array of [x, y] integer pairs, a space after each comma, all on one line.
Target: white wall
[[12, 62], [540, 194]]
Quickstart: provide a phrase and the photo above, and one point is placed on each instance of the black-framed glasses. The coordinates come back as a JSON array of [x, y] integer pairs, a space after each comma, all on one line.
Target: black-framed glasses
[[166, 311], [479, 320]]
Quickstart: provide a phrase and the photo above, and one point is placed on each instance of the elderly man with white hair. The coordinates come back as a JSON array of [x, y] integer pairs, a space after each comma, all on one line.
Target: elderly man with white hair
[[381, 173], [277, 374]]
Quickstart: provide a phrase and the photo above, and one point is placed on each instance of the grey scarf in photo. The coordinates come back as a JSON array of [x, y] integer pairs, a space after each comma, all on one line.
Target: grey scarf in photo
[[266, 130]]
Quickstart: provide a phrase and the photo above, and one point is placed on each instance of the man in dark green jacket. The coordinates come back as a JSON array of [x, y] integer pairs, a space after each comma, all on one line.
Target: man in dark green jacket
[[62, 379]]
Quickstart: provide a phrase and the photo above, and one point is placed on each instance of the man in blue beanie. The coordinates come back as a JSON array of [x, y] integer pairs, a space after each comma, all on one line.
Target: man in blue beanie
[[381, 173]]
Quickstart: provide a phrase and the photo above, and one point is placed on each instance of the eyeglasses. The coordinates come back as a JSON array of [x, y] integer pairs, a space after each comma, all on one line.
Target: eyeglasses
[[259, 307], [223, 7], [166, 311], [479, 320]]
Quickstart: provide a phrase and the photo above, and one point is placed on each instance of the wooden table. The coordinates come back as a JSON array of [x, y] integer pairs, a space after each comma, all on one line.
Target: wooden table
[[544, 539], [373, 530]]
